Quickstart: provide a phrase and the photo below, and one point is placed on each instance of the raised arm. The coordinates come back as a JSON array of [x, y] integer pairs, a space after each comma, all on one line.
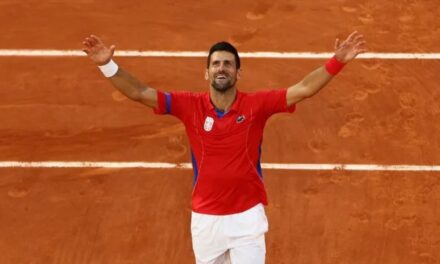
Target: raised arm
[[131, 87], [345, 51]]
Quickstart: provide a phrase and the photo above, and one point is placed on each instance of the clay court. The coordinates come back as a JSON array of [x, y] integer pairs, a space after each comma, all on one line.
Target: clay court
[[61, 109]]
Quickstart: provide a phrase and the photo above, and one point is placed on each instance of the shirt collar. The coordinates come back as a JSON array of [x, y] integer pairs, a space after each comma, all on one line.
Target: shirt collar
[[235, 104]]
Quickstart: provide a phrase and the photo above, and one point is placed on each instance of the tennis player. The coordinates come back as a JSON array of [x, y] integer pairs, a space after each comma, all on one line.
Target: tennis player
[[225, 131]]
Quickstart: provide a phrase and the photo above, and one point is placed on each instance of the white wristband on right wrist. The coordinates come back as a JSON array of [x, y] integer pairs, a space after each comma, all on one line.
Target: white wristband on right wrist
[[109, 69]]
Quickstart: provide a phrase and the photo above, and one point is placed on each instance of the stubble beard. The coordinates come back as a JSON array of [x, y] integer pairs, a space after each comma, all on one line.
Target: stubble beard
[[222, 87]]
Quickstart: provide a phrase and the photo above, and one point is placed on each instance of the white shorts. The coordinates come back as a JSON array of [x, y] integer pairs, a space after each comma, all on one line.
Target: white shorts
[[230, 239]]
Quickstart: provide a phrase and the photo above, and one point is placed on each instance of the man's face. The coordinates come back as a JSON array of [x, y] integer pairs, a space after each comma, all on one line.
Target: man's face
[[222, 73]]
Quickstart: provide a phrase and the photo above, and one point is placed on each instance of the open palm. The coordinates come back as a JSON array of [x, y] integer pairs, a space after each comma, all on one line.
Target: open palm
[[97, 51], [348, 49]]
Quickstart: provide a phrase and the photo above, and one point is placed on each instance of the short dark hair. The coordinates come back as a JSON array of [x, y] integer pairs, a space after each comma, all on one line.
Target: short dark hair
[[224, 46]]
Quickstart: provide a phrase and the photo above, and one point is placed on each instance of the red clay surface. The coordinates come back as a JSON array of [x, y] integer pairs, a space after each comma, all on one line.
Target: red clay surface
[[407, 25], [142, 216], [376, 111]]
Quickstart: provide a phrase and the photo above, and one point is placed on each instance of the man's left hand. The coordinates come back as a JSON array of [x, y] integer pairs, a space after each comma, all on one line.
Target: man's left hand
[[348, 49]]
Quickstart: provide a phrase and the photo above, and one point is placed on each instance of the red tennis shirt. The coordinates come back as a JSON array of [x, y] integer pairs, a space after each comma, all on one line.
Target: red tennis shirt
[[225, 147]]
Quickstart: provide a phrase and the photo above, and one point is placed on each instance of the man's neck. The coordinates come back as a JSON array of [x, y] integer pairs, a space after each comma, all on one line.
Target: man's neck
[[223, 101]]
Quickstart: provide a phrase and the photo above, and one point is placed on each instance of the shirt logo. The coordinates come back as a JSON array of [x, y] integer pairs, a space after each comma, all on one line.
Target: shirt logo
[[209, 122], [240, 119]]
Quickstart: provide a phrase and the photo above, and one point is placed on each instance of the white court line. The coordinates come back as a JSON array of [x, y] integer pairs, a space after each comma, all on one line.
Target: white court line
[[197, 54], [161, 165]]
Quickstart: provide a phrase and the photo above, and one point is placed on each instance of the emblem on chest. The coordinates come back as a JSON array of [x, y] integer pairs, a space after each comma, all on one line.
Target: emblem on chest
[[209, 122], [240, 119]]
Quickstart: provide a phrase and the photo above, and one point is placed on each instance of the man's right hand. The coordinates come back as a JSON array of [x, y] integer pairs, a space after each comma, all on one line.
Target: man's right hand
[[97, 51]]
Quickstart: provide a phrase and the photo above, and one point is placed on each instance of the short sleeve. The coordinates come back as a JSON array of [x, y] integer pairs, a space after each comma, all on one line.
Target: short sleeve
[[274, 101], [178, 104]]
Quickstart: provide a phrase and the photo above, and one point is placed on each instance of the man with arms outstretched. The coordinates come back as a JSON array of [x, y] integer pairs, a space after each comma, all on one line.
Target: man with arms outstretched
[[225, 131]]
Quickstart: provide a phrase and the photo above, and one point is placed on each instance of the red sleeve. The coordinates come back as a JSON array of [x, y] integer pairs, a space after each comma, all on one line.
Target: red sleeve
[[274, 101], [178, 104], [161, 108]]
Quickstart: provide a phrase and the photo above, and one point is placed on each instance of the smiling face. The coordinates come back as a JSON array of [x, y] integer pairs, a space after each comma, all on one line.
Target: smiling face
[[222, 72]]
